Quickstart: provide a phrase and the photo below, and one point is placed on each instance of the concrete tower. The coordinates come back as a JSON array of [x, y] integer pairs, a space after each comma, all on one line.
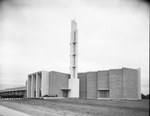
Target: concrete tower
[[73, 81]]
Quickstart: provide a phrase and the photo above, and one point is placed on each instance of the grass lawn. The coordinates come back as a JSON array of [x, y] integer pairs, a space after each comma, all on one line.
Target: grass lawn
[[78, 107]]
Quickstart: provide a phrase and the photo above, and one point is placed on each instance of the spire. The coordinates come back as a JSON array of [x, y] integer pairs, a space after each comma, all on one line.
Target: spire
[[73, 81], [73, 49]]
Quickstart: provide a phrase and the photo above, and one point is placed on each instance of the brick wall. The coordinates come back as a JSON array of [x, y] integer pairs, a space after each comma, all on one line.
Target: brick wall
[[103, 80], [130, 83], [57, 82], [92, 85], [82, 85], [116, 83]]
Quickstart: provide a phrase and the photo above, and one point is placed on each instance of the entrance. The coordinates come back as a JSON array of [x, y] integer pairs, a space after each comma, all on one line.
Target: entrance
[[104, 94], [65, 93], [40, 93], [34, 93]]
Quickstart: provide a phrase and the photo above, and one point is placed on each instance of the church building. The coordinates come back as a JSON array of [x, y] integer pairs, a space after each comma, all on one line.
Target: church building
[[103, 84], [106, 84]]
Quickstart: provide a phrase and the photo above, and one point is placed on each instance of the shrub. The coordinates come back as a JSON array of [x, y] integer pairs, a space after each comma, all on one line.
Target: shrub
[[45, 96], [144, 96]]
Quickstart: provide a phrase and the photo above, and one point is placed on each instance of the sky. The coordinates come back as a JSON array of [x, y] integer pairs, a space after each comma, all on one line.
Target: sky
[[35, 36]]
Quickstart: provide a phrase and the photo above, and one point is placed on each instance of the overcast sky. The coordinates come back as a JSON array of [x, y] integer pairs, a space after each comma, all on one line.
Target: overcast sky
[[35, 35]]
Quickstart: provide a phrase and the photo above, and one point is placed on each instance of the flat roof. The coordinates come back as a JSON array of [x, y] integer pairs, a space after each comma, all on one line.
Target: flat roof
[[23, 88]]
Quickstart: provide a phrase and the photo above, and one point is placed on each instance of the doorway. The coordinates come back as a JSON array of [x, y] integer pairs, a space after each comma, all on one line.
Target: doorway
[[65, 93], [104, 94]]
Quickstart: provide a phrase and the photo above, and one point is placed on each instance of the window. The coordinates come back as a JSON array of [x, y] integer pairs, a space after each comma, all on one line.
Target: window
[[74, 36]]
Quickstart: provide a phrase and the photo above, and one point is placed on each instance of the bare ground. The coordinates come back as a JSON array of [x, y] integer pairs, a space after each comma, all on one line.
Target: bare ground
[[78, 107]]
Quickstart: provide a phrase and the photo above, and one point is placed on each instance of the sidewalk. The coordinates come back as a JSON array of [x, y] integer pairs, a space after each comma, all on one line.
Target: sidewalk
[[4, 111]]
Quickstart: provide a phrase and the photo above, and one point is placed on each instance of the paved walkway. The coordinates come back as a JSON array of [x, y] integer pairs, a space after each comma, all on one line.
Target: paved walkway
[[4, 111]]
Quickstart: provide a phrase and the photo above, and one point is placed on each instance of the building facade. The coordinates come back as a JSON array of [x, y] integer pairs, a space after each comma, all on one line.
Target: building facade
[[17, 92], [111, 84], [47, 83], [108, 84]]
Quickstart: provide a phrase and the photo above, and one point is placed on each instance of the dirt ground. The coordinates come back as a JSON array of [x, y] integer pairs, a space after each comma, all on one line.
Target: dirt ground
[[78, 107]]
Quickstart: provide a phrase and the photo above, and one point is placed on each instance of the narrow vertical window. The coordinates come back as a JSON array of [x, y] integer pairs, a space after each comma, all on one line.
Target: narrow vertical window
[[74, 36]]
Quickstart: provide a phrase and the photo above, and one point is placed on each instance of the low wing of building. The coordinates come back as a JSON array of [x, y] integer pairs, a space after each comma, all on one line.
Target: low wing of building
[[17, 92]]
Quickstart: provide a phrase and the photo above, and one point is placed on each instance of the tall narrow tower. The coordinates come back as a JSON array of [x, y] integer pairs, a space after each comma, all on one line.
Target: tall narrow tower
[[73, 81]]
